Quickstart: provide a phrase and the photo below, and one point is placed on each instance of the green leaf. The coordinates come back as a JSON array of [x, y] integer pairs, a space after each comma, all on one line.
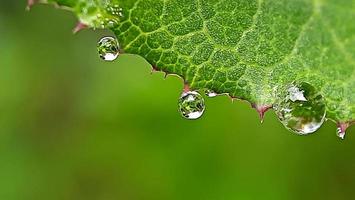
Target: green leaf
[[250, 49]]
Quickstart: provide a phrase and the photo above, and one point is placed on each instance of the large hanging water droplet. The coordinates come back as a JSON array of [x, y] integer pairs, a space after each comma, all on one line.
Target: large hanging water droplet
[[191, 105], [108, 48], [301, 109]]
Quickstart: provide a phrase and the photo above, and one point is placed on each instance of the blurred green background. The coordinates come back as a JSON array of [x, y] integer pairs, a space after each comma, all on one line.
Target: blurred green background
[[73, 127]]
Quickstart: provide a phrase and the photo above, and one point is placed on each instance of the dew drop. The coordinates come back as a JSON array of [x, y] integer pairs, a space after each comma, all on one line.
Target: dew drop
[[341, 130], [340, 133], [114, 10], [301, 109], [210, 93], [191, 105], [108, 48]]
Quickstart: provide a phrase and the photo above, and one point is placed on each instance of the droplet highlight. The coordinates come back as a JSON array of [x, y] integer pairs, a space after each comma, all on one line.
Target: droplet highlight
[[191, 105], [210, 93], [301, 109], [108, 48]]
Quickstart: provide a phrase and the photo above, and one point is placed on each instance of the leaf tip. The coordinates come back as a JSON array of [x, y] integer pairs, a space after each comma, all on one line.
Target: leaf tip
[[79, 26], [30, 3], [154, 69], [186, 87], [166, 74], [341, 129], [261, 109]]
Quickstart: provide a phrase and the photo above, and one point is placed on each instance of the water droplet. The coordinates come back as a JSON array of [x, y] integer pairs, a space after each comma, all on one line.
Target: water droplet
[[340, 133], [108, 48], [114, 10], [341, 129], [210, 93], [191, 105], [301, 109]]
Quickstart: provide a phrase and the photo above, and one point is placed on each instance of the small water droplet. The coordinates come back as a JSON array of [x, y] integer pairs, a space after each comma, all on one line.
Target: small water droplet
[[191, 105], [210, 93], [340, 133], [114, 10], [341, 129], [108, 48], [301, 109]]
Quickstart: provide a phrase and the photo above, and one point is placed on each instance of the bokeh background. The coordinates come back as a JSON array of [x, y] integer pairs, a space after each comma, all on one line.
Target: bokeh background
[[73, 127]]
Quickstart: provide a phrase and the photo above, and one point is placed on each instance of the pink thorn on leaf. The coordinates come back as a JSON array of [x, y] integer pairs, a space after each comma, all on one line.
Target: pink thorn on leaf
[[186, 88], [30, 3], [154, 69], [80, 26], [261, 110], [341, 130]]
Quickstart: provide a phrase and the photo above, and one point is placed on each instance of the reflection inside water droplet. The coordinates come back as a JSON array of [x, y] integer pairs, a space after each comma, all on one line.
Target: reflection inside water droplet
[[108, 48], [191, 105], [301, 109]]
